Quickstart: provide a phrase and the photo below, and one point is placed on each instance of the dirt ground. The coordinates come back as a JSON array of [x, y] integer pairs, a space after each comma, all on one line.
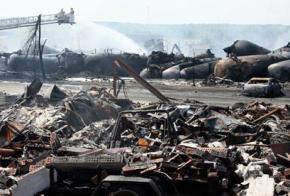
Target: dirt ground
[[214, 95]]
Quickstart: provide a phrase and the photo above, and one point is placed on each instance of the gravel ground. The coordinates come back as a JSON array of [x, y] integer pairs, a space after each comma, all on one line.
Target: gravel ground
[[214, 95]]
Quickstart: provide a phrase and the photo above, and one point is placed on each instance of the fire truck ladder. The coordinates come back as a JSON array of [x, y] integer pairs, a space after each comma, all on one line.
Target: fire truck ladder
[[60, 18]]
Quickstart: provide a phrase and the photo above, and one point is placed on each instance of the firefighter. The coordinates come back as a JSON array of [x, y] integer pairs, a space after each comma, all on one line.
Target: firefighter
[[72, 16], [61, 16]]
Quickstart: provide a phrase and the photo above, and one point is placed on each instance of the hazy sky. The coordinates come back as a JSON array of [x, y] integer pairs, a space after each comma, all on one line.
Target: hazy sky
[[159, 11]]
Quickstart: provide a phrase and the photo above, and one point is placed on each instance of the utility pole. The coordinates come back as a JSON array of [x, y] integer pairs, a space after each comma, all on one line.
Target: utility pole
[[40, 49]]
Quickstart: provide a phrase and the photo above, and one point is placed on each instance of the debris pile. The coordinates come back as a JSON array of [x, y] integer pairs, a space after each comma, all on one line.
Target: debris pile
[[213, 80], [88, 138], [36, 126], [235, 150], [172, 66], [228, 146]]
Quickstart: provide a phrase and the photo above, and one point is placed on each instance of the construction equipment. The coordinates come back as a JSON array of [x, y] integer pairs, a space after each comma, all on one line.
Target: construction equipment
[[176, 47], [59, 18]]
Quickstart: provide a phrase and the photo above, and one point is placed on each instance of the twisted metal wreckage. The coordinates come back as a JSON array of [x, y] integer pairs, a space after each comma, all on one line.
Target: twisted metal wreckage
[[93, 143]]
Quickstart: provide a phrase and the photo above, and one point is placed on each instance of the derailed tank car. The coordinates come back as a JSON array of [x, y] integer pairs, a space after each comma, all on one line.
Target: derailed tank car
[[245, 67], [72, 63], [19, 63], [198, 71], [244, 48], [280, 70], [102, 63]]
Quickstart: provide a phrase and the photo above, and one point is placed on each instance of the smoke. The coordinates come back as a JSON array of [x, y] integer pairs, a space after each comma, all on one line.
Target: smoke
[[217, 37], [282, 40], [194, 38], [83, 36], [191, 38]]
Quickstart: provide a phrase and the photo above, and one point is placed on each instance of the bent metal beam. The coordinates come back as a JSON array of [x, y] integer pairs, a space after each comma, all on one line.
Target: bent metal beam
[[140, 80]]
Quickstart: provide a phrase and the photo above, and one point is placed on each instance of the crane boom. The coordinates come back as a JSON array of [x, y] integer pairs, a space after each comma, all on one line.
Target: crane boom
[[18, 22]]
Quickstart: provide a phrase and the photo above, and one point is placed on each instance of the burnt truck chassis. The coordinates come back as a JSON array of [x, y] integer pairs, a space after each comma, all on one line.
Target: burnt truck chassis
[[102, 175]]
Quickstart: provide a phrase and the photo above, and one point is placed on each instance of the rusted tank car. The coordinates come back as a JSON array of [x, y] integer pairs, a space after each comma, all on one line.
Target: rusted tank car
[[246, 67]]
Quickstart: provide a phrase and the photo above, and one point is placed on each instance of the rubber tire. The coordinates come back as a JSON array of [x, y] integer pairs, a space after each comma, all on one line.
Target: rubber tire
[[124, 192]]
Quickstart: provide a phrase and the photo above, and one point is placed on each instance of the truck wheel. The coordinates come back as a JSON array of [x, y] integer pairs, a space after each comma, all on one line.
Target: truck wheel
[[124, 192], [127, 191]]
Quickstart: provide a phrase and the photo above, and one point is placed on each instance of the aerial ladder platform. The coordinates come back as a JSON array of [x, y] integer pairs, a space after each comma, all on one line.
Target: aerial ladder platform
[[18, 22]]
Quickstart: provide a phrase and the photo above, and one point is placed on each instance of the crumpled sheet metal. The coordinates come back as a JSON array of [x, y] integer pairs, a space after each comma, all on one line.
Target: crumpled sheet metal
[[30, 133], [183, 141], [206, 149], [9, 131]]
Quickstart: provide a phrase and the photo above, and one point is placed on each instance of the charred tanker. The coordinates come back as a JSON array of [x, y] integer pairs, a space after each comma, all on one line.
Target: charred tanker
[[102, 64], [73, 62], [280, 70], [243, 68], [29, 63], [244, 48], [198, 71]]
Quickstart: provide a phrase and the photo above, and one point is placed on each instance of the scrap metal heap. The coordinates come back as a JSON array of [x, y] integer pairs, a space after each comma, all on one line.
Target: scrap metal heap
[[196, 148]]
